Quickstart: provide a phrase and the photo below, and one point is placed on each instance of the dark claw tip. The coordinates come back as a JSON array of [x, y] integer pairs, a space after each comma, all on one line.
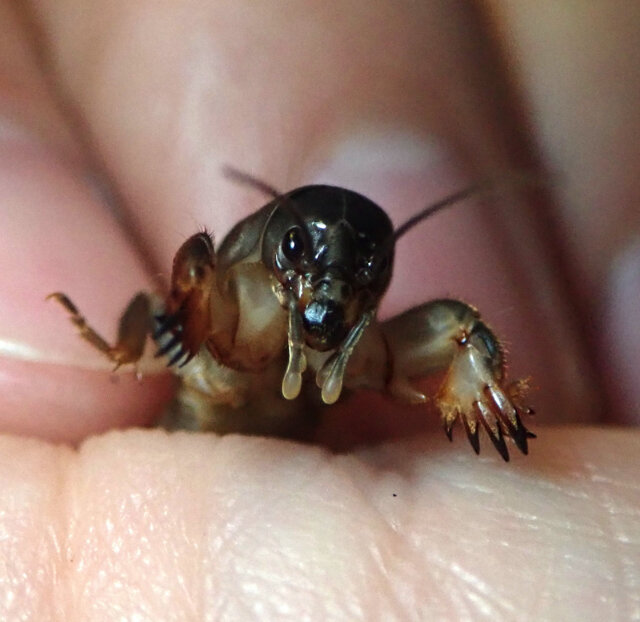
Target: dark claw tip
[[448, 430], [168, 323], [473, 437], [167, 347], [189, 357], [500, 445], [519, 434], [497, 439], [176, 357]]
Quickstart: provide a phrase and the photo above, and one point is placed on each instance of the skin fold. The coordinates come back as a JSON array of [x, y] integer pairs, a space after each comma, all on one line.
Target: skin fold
[[115, 121]]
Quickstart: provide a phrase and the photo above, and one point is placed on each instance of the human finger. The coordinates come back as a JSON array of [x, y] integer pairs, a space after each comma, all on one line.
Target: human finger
[[57, 233], [241, 527], [426, 91]]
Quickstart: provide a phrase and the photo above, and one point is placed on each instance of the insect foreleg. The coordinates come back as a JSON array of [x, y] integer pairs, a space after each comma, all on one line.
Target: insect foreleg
[[186, 323], [133, 328], [449, 336]]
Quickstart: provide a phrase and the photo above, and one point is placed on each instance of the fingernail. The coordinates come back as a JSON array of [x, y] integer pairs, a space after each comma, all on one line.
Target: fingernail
[[461, 253], [57, 237], [392, 167], [621, 336]]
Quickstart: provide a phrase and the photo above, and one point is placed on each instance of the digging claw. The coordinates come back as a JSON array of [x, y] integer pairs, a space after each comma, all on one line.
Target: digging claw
[[496, 436], [519, 434], [448, 429], [472, 393], [497, 426], [167, 347], [472, 434], [176, 357], [507, 414], [166, 324]]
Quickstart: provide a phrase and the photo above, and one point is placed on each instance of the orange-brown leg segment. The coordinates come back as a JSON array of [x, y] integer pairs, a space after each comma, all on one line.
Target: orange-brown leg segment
[[449, 336], [186, 323], [133, 328]]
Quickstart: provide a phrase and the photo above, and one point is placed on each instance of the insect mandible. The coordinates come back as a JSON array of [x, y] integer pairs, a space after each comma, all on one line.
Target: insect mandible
[[292, 293]]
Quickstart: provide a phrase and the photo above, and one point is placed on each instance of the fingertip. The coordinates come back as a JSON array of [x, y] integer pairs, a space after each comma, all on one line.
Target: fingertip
[[59, 237], [64, 403]]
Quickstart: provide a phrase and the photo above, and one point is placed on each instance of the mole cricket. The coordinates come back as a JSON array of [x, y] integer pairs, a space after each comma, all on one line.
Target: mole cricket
[[295, 287]]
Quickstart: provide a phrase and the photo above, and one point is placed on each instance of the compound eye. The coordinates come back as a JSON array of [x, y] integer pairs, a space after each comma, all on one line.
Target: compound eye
[[364, 275], [293, 245]]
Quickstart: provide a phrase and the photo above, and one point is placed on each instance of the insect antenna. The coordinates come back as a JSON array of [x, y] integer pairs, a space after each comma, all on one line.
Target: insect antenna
[[246, 179], [516, 179], [284, 202], [430, 210]]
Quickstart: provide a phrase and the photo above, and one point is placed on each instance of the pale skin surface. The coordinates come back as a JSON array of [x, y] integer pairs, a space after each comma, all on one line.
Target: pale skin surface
[[147, 526]]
